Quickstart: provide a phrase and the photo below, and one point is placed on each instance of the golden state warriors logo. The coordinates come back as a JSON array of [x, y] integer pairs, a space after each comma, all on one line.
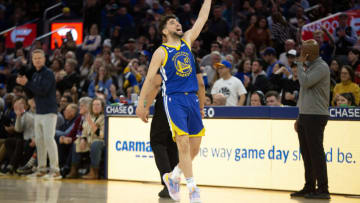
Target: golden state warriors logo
[[182, 64]]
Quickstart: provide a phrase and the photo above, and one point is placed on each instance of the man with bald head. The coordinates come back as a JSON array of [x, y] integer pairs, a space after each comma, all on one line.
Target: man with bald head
[[313, 103], [289, 44]]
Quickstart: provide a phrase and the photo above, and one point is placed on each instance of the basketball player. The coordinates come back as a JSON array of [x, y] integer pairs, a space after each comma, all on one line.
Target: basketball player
[[163, 146], [183, 107]]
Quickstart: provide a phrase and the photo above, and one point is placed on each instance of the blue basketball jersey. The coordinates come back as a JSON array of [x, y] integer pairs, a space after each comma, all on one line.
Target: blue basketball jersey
[[178, 70]]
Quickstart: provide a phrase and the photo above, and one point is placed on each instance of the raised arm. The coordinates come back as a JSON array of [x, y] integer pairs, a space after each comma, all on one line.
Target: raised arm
[[150, 83], [331, 38], [191, 35]]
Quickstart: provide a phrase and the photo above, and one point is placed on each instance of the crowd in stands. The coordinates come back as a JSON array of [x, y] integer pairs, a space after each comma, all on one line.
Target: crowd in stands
[[246, 52]]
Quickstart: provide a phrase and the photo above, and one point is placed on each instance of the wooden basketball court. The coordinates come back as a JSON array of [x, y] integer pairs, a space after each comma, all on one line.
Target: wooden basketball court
[[21, 190]]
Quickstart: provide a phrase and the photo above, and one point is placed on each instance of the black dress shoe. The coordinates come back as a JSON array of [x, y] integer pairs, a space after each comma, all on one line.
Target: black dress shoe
[[301, 193], [164, 193], [318, 195]]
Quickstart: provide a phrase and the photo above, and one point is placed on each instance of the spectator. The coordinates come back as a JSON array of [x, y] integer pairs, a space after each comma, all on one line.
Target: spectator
[[219, 99], [231, 87], [250, 51], [354, 59], [289, 44], [142, 70], [244, 70], [85, 70], [66, 142], [102, 81], [210, 70], [186, 16], [57, 67], [70, 114], [70, 55], [344, 35], [290, 56], [7, 120], [68, 43], [217, 24], [18, 91], [7, 124], [124, 20], [335, 72], [207, 59], [91, 139], [257, 98], [335, 66], [281, 31], [259, 34], [273, 99], [71, 78], [345, 100], [208, 100], [346, 85], [326, 47], [154, 38], [131, 51], [64, 101], [42, 85], [92, 42], [20, 147], [258, 80], [288, 86], [269, 56], [99, 61]]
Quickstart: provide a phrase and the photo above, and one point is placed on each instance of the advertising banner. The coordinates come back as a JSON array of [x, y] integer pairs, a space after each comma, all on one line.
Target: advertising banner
[[246, 112], [252, 153], [331, 22], [76, 29], [25, 34]]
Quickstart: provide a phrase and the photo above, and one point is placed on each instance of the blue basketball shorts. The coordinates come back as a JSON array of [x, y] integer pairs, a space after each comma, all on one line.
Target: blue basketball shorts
[[183, 114]]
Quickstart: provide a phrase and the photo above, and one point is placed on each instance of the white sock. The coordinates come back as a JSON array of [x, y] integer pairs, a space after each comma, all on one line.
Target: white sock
[[176, 173], [190, 183]]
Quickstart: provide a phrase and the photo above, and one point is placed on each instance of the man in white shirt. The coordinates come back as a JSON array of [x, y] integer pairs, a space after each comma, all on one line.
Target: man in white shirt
[[228, 85]]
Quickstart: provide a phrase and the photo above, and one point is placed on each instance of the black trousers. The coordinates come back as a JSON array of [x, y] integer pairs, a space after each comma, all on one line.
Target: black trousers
[[311, 137], [164, 148], [18, 151], [64, 151]]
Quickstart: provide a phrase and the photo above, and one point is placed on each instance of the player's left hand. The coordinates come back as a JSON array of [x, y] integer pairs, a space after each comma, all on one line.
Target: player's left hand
[[142, 113]]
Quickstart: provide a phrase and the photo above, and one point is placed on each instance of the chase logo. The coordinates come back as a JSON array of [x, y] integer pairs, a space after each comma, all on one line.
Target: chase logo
[[182, 64], [120, 109]]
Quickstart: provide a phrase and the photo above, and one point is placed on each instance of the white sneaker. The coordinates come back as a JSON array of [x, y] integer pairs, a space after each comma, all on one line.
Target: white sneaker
[[173, 187], [37, 174], [53, 176], [195, 195]]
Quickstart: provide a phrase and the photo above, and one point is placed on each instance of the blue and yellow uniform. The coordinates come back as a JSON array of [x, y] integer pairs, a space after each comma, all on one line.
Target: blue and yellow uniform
[[180, 85]]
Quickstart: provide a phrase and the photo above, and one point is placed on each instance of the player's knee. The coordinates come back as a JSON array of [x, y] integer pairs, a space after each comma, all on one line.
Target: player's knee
[[194, 152], [183, 144]]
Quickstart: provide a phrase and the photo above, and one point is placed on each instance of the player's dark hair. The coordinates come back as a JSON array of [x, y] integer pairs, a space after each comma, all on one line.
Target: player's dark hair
[[163, 22]]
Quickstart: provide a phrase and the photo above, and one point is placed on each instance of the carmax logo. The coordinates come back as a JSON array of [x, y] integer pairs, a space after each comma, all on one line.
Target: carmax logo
[[139, 147]]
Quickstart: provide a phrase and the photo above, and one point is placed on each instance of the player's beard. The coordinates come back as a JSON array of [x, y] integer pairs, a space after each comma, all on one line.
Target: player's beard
[[177, 35]]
